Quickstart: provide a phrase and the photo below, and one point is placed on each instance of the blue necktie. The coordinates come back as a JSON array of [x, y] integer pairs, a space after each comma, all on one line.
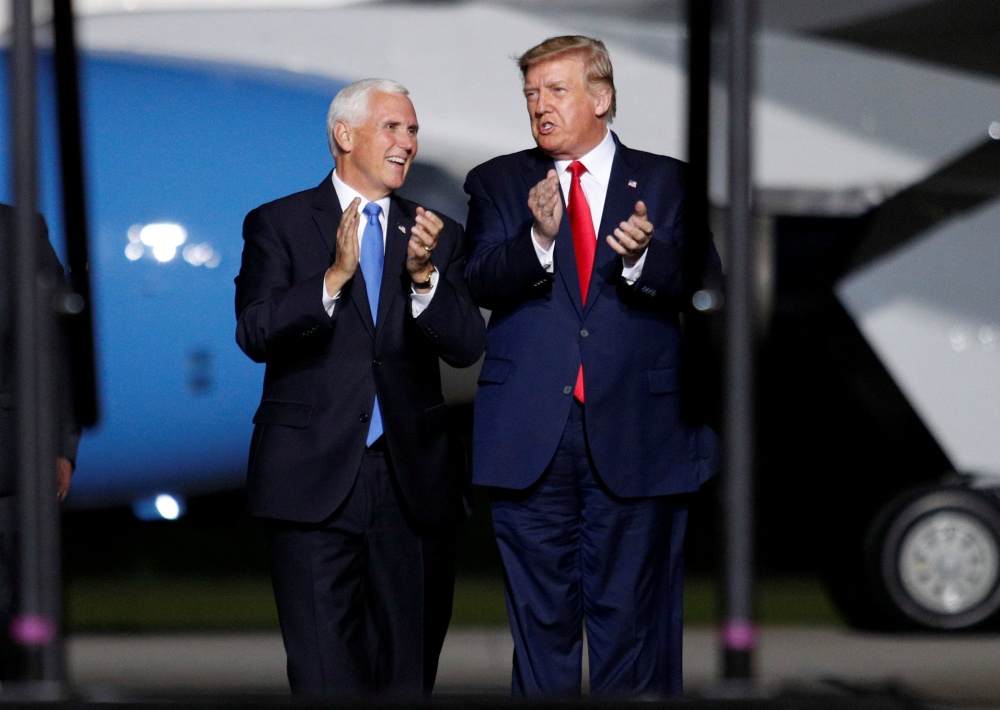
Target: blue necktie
[[372, 257]]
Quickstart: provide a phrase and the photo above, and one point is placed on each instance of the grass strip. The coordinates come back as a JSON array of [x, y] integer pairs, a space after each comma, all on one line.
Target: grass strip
[[160, 603]]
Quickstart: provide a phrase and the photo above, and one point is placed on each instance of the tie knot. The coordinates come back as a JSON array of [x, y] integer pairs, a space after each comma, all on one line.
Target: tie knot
[[373, 210], [577, 168]]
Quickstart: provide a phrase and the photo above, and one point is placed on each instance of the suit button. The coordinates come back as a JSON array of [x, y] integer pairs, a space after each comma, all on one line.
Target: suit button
[[567, 390], [376, 362], [363, 418], [584, 333]]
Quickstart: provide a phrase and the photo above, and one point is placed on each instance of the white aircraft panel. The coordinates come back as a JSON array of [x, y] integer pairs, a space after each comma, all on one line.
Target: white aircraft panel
[[828, 117], [931, 312]]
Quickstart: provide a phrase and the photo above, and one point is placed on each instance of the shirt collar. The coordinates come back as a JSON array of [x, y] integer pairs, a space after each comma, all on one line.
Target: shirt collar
[[598, 161], [346, 193]]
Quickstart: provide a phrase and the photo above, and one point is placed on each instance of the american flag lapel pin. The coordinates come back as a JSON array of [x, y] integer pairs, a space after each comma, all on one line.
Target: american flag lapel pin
[[632, 183]]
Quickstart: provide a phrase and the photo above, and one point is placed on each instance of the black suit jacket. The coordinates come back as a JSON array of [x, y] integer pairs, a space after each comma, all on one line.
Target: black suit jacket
[[68, 431], [322, 372]]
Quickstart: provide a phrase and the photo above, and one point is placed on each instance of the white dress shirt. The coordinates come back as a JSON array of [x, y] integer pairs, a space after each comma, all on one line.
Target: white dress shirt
[[595, 186], [345, 194]]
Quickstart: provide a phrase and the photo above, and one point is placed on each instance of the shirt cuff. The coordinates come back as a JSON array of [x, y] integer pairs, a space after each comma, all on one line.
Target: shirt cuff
[[631, 274], [420, 301], [329, 301], [544, 255]]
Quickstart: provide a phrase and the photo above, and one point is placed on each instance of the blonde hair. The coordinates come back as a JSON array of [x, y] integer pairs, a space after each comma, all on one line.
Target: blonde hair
[[596, 62]]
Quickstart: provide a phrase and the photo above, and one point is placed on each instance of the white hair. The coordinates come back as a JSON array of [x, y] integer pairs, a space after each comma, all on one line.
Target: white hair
[[352, 104]]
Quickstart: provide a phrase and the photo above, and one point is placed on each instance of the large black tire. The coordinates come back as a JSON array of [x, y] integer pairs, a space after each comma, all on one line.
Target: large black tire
[[933, 558]]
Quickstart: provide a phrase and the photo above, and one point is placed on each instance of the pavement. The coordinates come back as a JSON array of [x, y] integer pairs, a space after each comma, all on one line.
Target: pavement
[[961, 671]]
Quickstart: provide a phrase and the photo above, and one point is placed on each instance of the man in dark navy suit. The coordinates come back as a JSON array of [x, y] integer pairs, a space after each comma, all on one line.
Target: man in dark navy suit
[[576, 249], [350, 294], [67, 435]]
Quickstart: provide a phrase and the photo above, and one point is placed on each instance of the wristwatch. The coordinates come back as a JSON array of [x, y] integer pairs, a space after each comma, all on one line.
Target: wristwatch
[[424, 284]]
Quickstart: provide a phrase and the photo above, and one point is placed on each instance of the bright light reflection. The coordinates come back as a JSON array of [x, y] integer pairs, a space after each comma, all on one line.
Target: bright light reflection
[[163, 238], [201, 255], [134, 251], [162, 506], [168, 507]]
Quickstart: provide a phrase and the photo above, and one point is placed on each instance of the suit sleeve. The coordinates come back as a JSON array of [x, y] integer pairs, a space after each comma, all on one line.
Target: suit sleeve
[[274, 314], [451, 321], [681, 259], [69, 428], [503, 268]]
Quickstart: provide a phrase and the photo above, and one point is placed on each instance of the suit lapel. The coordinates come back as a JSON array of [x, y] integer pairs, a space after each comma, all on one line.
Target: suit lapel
[[622, 194], [399, 222], [536, 168], [619, 202], [327, 214]]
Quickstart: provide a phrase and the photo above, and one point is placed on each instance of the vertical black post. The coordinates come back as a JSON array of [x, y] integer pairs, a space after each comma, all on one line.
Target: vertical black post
[[80, 330], [701, 389], [738, 636], [699, 22], [35, 625], [23, 148]]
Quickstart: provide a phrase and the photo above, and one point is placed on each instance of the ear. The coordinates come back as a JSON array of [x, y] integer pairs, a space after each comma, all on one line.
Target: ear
[[342, 135], [602, 101]]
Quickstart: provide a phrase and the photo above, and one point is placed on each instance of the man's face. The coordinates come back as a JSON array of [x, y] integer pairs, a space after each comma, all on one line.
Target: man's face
[[377, 154], [566, 118]]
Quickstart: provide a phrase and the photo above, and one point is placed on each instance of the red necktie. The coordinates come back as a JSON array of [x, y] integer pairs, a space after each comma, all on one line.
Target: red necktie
[[584, 243], [582, 225]]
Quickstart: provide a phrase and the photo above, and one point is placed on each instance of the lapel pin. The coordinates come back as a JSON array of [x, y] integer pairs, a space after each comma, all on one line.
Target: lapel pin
[[401, 228], [632, 183]]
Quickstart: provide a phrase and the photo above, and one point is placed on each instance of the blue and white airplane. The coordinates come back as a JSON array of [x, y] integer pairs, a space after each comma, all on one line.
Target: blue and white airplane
[[194, 112]]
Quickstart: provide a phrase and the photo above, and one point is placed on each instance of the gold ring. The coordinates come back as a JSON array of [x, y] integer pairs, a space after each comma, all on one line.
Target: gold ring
[[427, 248]]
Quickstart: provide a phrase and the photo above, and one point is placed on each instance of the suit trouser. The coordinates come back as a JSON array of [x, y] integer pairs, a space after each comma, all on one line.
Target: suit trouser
[[573, 555], [364, 598], [11, 654]]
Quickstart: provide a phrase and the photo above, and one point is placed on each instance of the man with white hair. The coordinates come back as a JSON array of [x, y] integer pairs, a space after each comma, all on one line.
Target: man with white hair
[[350, 295]]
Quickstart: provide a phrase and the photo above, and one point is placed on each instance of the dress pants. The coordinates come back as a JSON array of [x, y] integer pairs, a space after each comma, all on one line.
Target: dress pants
[[12, 657], [364, 598], [573, 555]]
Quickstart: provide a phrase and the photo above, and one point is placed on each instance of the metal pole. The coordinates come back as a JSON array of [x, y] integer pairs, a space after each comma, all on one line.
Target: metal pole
[[76, 305], [35, 625], [699, 22], [700, 388], [738, 637]]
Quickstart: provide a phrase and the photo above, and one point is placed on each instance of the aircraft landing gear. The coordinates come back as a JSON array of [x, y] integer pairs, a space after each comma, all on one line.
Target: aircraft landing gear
[[933, 557]]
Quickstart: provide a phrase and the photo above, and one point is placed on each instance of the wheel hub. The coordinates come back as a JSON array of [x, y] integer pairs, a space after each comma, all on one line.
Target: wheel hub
[[948, 562]]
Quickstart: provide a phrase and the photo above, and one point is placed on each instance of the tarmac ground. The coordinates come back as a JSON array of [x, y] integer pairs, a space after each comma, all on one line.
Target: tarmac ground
[[959, 671]]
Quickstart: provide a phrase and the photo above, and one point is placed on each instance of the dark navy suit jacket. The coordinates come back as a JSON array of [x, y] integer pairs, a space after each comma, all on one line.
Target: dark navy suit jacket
[[68, 434], [627, 337], [323, 372]]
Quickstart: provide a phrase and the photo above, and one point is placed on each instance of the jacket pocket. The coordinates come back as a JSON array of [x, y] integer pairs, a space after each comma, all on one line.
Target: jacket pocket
[[495, 370], [293, 414], [436, 418], [663, 381]]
